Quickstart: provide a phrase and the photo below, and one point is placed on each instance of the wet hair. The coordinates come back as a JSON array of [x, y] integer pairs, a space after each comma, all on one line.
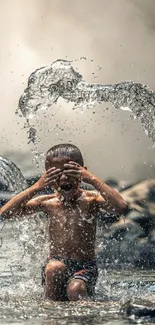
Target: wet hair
[[65, 150]]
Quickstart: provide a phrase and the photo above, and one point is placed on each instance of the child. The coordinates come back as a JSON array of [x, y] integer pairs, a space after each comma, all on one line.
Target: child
[[70, 272]]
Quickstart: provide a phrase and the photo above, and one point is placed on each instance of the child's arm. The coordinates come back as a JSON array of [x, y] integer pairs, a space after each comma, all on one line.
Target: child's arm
[[22, 202], [107, 199]]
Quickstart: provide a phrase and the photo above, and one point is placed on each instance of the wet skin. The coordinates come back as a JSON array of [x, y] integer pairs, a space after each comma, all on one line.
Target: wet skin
[[72, 218], [71, 213]]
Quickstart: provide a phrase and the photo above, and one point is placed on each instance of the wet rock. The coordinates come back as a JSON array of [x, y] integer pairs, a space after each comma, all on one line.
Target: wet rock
[[105, 220], [119, 245], [124, 185], [151, 237], [126, 242], [112, 182], [141, 197], [145, 221], [144, 254], [139, 308], [124, 228]]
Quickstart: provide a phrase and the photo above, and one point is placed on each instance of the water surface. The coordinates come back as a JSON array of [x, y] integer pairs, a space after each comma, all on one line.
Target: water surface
[[21, 293]]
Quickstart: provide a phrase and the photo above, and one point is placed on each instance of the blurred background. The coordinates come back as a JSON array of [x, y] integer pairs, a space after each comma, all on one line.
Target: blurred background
[[117, 38]]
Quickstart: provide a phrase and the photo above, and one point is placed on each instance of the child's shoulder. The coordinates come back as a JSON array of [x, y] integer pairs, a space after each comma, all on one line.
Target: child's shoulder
[[44, 197]]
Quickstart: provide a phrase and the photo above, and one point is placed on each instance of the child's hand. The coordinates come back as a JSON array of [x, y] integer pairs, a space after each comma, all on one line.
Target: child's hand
[[49, 178], [75, 170]]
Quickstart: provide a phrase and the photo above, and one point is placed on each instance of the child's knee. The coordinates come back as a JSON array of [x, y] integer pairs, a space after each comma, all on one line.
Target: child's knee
[[76, 290], [55, 268]]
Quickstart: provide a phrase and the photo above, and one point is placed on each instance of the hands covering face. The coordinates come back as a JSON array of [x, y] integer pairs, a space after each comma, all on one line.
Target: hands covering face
[[75, 170], [71, 169]]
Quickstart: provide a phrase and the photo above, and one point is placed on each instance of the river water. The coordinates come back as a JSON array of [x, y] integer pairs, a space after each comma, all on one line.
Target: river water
[[23, 250]]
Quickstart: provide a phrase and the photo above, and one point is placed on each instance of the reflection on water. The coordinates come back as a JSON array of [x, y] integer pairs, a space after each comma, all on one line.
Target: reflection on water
[[21, 292]]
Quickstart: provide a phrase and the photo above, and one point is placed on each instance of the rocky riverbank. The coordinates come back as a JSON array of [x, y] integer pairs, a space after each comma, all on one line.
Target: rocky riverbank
[[131, 240]]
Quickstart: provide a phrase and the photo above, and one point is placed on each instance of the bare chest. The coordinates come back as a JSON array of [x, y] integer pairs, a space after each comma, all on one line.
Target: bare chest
[[74, 215]]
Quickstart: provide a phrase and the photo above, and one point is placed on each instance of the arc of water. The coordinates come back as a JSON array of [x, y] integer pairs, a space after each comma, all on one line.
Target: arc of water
[[47, 84]]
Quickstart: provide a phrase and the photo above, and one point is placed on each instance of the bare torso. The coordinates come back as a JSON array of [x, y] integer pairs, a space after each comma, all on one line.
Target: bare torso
[[72, 226]]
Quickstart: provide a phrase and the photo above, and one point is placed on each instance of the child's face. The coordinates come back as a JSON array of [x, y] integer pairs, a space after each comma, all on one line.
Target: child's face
[[67, 185]]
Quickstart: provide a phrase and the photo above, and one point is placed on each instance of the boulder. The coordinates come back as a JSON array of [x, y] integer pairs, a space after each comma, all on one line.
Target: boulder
[[145, 221], [124, 228], [119, 244], [138, 308], [141, 197], [144, 256]]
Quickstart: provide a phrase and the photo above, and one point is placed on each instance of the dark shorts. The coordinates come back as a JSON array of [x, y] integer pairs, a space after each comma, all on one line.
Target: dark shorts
[[83, 270]]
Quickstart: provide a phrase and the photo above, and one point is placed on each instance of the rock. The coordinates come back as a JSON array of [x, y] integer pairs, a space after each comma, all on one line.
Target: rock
[[138, 308], [112, 183], [146, 221], [141, 197], [120, 243], [151, 237], [124, 227], [123, 185], [144, 254], [106, 219]]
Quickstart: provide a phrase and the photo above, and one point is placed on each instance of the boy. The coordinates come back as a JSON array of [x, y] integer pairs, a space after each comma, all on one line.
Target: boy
[[70, 272]]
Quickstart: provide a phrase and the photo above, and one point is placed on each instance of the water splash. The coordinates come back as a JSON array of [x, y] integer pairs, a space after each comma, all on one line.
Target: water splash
[[27, 237], [47, 84], [25, 246], [11, 178]]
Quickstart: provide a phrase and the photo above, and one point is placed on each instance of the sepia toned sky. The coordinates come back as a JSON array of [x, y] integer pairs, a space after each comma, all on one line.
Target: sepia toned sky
[[118, 40]]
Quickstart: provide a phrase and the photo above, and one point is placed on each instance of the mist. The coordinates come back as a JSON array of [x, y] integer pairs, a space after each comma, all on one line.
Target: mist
[[118, 41]]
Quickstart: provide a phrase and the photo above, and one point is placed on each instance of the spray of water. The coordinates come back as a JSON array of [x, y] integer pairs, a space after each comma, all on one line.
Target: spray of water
[[23, 241], [47, 84], [11, 178]]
